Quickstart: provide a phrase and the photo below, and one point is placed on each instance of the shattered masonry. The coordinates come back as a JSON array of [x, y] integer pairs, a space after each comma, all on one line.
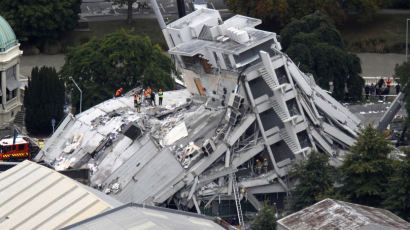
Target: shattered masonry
[[247, 100]]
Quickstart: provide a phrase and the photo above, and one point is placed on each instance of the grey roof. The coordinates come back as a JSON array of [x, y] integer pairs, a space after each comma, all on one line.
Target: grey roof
[[135, 216], [331, 214], [36, 197], [196, 46]]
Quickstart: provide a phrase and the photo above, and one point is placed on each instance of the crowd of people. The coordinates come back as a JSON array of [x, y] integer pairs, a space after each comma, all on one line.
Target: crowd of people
[[380, 90], [144, 97]]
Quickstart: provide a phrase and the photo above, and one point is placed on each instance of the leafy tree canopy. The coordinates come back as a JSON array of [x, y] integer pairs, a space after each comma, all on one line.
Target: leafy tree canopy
[[316, 177], [43, 100], [121, 59], [280, 12], [398, 189], [367, 168], [316, 44], [38, 20], [266, 219]]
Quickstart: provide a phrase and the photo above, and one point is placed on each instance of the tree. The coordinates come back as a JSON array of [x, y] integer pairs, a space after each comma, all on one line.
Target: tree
[[365, 9], [266, 219], [315, 44], [367, 168], [35, 21], [43, 100], [129, 7], [316, 179], [397, 198], [121, 59]]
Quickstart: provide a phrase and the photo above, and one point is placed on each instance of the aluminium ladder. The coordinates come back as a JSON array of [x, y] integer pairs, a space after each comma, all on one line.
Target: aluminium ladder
[[237, 201]]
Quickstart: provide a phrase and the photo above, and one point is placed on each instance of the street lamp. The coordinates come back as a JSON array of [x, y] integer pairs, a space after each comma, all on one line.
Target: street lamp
[[81, 92], [407, 38]]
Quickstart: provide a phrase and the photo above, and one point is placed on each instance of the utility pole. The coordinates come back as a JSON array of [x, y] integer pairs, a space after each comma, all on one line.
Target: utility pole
[[81, 92], [407, 38], [181, 8]]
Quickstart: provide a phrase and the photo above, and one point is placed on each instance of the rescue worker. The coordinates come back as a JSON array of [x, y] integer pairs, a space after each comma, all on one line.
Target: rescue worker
[[118, 93], [135, 99], [160, 96], [138, 104], [388, 82], [265, 165], [258, 167], [148, 98], [153, 98]]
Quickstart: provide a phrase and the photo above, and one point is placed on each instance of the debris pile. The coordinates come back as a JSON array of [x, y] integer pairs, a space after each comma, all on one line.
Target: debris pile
[[247, 115]]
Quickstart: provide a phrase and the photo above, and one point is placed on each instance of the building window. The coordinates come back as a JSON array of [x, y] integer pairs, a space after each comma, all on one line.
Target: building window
[[11, 83], [227, 61]]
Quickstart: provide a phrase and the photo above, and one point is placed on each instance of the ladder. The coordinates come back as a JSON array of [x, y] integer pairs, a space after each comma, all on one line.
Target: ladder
[[237, 201]]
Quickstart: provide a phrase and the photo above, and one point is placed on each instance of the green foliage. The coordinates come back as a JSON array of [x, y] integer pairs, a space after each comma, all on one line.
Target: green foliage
[[316, 177], [316, 44], [402, 75], [367, 168], [43, 100], [398, 190], [39, 20], [280, 12], [265, 220], [121, 59]]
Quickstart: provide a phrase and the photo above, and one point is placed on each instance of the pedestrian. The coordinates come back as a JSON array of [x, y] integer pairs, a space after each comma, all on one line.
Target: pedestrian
[[118, 93], [367, 91], [160, 96], [397, 89], [153, 98], [265, 165], [372, 92]]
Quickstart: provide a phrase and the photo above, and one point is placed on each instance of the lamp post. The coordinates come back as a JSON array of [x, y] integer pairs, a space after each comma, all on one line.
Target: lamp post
[[81, 92], [407, 38]]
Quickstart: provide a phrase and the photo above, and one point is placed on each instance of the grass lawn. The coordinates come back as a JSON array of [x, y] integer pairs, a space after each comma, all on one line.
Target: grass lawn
[[386, 33], [99, 29]]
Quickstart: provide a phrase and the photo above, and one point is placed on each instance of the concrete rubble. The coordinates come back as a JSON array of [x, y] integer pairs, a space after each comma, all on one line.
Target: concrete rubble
[[245, 100]]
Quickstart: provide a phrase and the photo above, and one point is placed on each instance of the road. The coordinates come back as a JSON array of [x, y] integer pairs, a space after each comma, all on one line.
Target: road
[[104, 10]]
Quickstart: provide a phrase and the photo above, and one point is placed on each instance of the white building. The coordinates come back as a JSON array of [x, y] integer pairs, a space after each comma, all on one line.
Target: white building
[[12, 83]]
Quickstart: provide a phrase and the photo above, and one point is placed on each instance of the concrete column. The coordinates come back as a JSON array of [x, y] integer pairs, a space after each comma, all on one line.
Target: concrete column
[[3, 87]]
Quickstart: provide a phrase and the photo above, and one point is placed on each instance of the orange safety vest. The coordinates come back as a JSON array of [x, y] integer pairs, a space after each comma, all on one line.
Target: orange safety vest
[[118, 93], [388, 82]]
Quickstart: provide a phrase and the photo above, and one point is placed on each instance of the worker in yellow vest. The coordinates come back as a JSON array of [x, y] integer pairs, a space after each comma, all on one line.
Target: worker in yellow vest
[[160, 96]]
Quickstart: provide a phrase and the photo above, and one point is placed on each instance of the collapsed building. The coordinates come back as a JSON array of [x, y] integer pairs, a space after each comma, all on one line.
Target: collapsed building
[[246, 101]]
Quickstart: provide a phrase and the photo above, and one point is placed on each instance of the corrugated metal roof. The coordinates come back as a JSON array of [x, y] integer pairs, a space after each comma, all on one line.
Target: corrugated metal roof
[[134, 216], [36, 197], [331, 214]]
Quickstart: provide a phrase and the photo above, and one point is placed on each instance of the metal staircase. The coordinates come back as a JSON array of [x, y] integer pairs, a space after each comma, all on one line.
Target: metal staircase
[[279, 110], [237, 201], [289, 140], [268, 78]]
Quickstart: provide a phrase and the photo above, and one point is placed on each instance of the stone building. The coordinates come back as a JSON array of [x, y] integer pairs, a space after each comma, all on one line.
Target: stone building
[[12, 83]]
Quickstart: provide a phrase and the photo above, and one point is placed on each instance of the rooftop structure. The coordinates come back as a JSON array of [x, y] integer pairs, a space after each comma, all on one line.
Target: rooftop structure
[[36, 197], [135, 216], [248, 104], [7, 37], [332, 214]]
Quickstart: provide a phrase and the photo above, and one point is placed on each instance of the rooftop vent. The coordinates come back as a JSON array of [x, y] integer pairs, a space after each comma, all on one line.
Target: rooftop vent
[[237, 35]]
